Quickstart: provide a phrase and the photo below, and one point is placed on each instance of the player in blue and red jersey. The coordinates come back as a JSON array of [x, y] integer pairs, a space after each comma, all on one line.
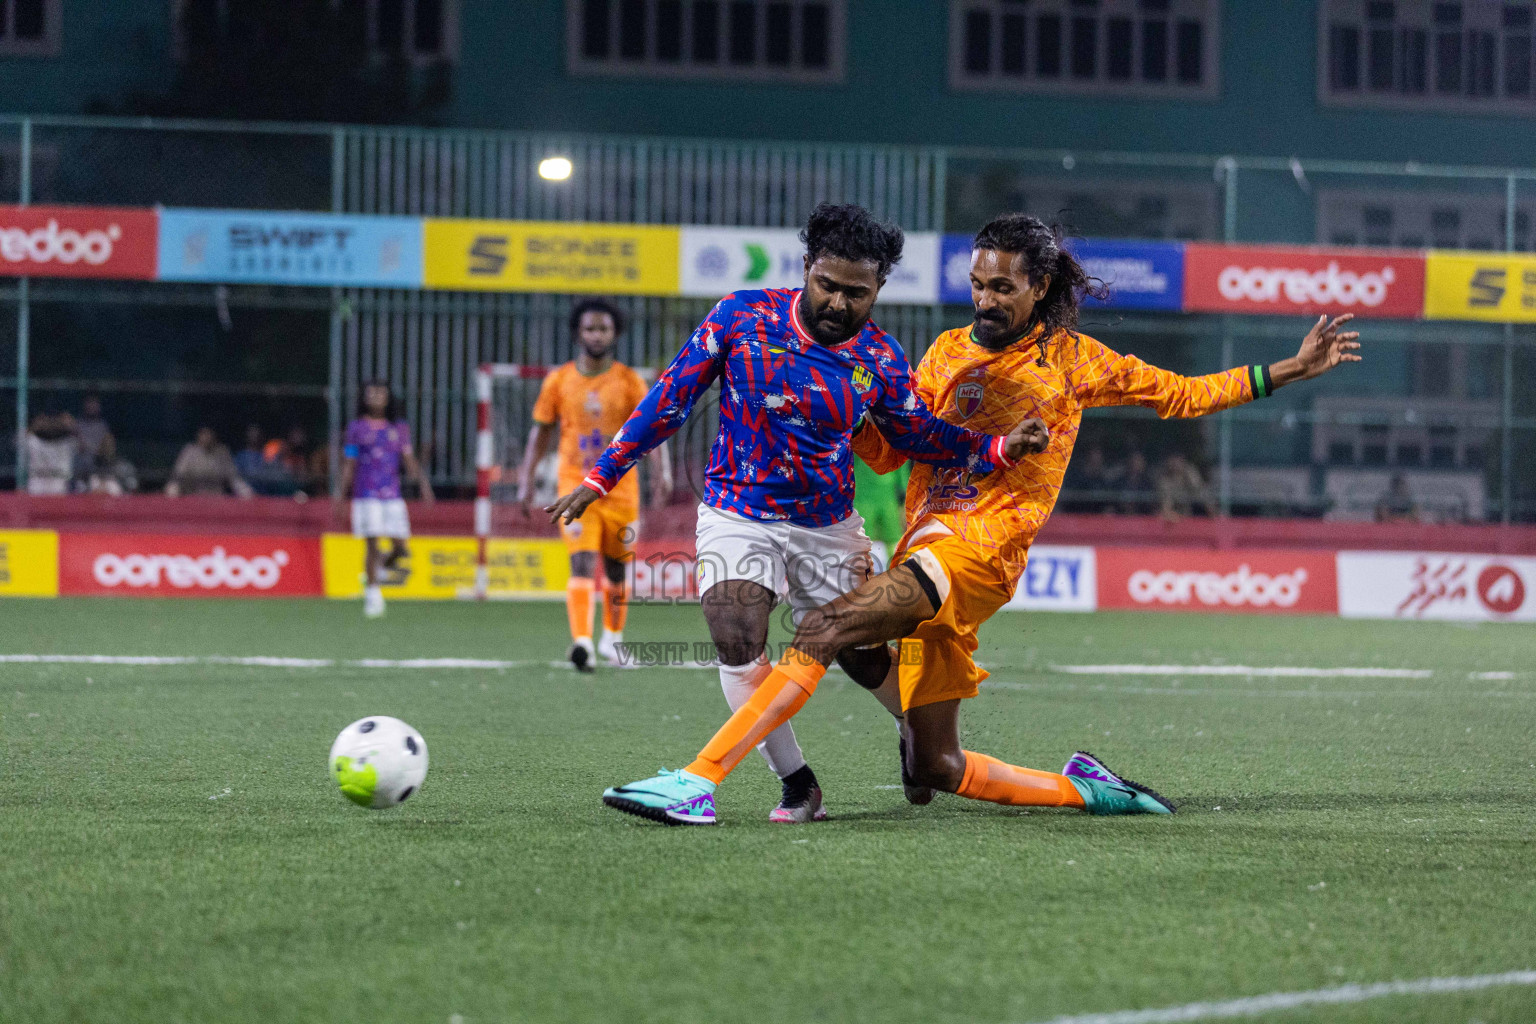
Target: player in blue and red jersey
[[798, 370]]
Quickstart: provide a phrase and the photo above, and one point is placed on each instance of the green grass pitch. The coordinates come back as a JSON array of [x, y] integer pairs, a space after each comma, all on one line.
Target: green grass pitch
[[172, 848]]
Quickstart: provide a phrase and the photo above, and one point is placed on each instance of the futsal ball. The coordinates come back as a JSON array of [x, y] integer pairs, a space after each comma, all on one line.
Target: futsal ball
[[378, 761]]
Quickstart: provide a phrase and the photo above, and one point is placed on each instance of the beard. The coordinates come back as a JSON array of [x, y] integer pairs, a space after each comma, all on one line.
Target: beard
[[828, 328], [997, 331], [597, 353]]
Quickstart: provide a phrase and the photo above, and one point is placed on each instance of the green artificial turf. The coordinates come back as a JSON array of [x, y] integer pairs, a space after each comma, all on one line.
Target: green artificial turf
[[172, 848]]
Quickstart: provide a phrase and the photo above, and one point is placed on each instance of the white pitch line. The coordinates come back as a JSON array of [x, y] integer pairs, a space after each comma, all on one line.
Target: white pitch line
[[1277, 672], [1252, 1006], [270, 661]]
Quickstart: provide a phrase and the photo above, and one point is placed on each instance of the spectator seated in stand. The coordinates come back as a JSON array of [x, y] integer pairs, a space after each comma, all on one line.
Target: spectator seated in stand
[[205, 467], [1181, 489], [1398, 505], [98, 470], [1092, 477], [1136, 486], [51, 449], [264, 465], [298, 460]]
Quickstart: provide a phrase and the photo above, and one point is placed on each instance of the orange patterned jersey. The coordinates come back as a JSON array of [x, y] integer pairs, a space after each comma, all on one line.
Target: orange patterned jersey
[[992, 392], [590, 410]]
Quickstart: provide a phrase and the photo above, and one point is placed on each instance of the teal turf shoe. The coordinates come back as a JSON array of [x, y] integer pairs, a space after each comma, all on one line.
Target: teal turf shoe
[[672, 798], [1107, 793]]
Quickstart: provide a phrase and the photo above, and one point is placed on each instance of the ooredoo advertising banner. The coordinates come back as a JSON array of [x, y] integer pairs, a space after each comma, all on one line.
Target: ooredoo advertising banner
[[1057, 579], [1299, 280], [188, 565], [1426, 585], [77, 241], [249, 246], [1201, 580]]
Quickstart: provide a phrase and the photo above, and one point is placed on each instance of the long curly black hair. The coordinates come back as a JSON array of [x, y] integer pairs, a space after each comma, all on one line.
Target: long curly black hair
[[1043, 250], [852, 233]]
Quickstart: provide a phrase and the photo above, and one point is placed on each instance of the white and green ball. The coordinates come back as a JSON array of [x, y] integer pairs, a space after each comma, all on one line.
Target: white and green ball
[[378, 761]]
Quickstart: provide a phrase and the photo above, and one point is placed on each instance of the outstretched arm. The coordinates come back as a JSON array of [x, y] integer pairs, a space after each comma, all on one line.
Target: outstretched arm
[[1324, 348], [1105, 377]]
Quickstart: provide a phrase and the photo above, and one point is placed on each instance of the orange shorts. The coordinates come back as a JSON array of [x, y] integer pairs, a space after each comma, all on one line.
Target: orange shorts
[[937, 660], [604, 527]]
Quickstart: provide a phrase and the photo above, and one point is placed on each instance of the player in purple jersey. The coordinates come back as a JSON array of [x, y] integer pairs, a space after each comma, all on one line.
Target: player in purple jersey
[[798, 370], [377, 445]]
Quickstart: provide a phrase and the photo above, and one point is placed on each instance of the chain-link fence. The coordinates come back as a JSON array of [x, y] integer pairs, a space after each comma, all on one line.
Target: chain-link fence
[[1437, 410]]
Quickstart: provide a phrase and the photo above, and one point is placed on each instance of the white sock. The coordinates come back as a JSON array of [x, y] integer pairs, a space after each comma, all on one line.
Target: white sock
[[779, 748]]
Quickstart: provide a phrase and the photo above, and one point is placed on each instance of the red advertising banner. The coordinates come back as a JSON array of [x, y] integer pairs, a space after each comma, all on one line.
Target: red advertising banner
[[1285, 280], [1194, 579], [189, 565], [78, 241]]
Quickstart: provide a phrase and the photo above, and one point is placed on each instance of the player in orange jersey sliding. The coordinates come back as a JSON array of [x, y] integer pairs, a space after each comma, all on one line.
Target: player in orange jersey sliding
[[967, 538], [590, 398]]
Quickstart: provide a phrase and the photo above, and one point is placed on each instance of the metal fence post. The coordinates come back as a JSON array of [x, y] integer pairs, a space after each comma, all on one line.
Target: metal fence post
[[1507, 410], [23, 320], [333, 381], [1228, 167]]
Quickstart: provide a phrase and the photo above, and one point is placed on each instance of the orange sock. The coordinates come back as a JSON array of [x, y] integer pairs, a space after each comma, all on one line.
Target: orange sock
[[987, 778], [783, 693], [578, 606], [615, 607]]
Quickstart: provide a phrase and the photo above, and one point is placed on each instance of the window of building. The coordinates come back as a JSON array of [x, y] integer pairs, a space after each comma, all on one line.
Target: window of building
[[1462, 55], [1403, 219], [30, 27], [772, 40], [1120, 47], [420, 30], [1186, 211]]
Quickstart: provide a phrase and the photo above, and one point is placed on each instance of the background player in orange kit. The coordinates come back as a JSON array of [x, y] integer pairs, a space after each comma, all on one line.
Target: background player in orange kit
[[968, 537], [589, 399]]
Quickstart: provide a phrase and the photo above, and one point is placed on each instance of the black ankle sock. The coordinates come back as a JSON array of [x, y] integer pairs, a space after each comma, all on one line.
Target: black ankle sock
[[799, 783]]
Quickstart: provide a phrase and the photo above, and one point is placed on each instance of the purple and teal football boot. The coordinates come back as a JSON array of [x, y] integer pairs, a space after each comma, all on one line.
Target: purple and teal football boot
[[672, 798], [1104, 792]]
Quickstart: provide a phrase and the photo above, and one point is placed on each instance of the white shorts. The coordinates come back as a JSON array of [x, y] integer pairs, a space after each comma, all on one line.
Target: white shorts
[[808, 566], [380, 517]]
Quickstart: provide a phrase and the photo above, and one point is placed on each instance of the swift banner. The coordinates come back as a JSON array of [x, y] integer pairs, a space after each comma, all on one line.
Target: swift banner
[[1296, 280], [1140, 275], [1480, 286], [539, 256], [251, 247], [77, 241], [718, 261]]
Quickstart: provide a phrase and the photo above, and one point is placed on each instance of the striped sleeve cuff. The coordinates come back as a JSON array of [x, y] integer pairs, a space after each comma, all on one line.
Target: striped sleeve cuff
[[1258, 378], [593, 483], [998, 453]]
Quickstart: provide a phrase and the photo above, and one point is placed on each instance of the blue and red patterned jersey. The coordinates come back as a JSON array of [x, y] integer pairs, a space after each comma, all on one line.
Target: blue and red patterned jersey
[[788, 406]]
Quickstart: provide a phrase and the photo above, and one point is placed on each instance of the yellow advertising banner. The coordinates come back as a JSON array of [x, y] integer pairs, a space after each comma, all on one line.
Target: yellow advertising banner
[[29, 563], [1480, 286], [551, 256], [442, 568]]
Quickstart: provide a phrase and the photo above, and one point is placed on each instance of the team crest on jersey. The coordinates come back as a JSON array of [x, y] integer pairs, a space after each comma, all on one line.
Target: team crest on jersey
[[594, 404], [862, 378], [968, 399]]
